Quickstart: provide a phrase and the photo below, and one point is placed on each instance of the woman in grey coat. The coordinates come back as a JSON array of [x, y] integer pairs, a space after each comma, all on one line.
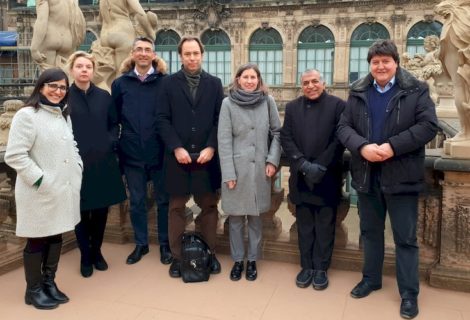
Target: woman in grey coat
[[249, 151], [42, 150]]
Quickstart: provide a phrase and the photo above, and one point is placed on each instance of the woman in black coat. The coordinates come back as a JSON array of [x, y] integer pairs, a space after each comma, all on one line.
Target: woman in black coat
[[94, 123]]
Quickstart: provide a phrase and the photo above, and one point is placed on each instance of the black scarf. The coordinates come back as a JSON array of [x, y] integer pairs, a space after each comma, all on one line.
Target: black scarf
[[193, 81]]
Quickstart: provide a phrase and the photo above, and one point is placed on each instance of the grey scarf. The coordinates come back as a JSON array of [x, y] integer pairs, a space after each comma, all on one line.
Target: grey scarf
[[245, 98], [193, 81]]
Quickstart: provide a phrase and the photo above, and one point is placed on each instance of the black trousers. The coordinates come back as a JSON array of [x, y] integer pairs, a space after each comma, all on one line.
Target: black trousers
[[403, 212], [316, 230], [90, 232]]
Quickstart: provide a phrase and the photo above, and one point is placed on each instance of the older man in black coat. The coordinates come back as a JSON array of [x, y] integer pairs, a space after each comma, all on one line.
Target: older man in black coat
[[315, 155], [187, 122]]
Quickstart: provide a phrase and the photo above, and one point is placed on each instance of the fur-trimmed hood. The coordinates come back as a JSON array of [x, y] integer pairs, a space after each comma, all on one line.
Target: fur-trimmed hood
[[158, 63]]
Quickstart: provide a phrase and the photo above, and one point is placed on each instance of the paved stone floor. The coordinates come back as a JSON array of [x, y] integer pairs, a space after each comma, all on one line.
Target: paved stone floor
[[145, 291]]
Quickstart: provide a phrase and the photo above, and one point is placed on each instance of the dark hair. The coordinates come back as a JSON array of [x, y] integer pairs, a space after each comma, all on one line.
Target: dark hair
[[144, 39], [383, 48], [261, 86], [48, 76], [189, 38]]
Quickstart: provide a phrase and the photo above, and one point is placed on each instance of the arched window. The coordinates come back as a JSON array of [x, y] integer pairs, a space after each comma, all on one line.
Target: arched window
[[315, 50], [362, 38], [417, 33], [89, 38], [266, 52], [217, 57], [166, 47]]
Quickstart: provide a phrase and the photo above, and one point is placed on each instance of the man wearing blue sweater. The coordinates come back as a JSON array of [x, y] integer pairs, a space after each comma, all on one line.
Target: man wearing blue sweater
[[389, 117]]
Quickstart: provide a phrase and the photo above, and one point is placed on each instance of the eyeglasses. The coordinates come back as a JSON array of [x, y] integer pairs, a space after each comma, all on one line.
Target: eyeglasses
[[55, 87]]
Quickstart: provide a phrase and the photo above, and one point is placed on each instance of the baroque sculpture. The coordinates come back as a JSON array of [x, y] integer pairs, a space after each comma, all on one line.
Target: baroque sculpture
[[426, 67], [455, 57], [58, 31], [117, 35]]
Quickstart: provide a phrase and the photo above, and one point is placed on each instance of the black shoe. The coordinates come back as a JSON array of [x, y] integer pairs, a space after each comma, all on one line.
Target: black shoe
[[175, 269], [86, 270], [409, 308], [137, 254], [363, 289], [215, 265], [251, 272], [320, 280], [99, 263], [165, 254], [237, 269], [304, 278]]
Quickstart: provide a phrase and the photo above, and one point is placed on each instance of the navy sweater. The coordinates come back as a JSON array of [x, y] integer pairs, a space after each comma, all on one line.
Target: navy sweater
[[378, 103]]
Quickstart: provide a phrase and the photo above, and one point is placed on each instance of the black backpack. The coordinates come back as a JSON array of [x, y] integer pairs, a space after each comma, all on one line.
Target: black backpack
[[196, 258]]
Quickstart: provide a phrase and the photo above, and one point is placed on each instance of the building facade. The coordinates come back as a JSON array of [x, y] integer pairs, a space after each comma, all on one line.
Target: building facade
[[283, 37]]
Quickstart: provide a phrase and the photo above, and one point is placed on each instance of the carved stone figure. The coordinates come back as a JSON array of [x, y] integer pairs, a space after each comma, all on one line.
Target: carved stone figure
[[455, 57], [10, 106], [117, 35], [58, 31], [426, 67]]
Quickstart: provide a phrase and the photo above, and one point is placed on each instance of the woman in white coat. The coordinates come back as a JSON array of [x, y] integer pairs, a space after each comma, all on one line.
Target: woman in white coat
[[42, 150], [249, 151]]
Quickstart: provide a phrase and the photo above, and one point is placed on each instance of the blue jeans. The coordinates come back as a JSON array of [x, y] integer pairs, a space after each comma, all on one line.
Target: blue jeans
[[137, 178]]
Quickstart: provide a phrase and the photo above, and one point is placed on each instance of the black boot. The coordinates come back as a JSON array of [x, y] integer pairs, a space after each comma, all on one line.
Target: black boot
[[49, 268], [35, 293], [82, 232], [98, 225]]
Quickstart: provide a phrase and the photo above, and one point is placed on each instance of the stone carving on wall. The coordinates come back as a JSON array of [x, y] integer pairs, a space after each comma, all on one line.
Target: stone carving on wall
[[58, 31], [462, 228], [289, 26], [455, 57], [117, 34], [428, 221], [10, 106], [212, 11]]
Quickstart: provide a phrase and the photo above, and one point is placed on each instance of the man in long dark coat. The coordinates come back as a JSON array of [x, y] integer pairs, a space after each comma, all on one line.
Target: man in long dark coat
[[315, 155], [187, 120]]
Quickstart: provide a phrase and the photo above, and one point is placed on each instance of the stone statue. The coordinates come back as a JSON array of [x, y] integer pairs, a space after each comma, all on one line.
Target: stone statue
[[455, 57], [426, 67], [10, 106], [58, 31], [117, 34]]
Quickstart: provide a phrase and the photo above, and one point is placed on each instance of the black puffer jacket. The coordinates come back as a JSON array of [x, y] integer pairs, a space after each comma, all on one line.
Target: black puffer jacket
[[410, 123]]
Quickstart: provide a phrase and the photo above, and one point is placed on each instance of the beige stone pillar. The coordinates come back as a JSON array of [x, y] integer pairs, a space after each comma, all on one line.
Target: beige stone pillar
[[453, 268]]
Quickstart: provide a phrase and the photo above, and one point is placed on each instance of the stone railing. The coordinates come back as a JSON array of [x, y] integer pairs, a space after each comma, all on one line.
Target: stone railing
[[443, 225]]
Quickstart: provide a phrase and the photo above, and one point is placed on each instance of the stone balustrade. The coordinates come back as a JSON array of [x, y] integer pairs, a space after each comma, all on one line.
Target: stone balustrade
[[443, 225]]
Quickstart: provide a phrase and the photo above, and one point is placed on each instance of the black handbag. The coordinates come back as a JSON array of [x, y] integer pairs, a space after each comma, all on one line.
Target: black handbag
[[196, 258]]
